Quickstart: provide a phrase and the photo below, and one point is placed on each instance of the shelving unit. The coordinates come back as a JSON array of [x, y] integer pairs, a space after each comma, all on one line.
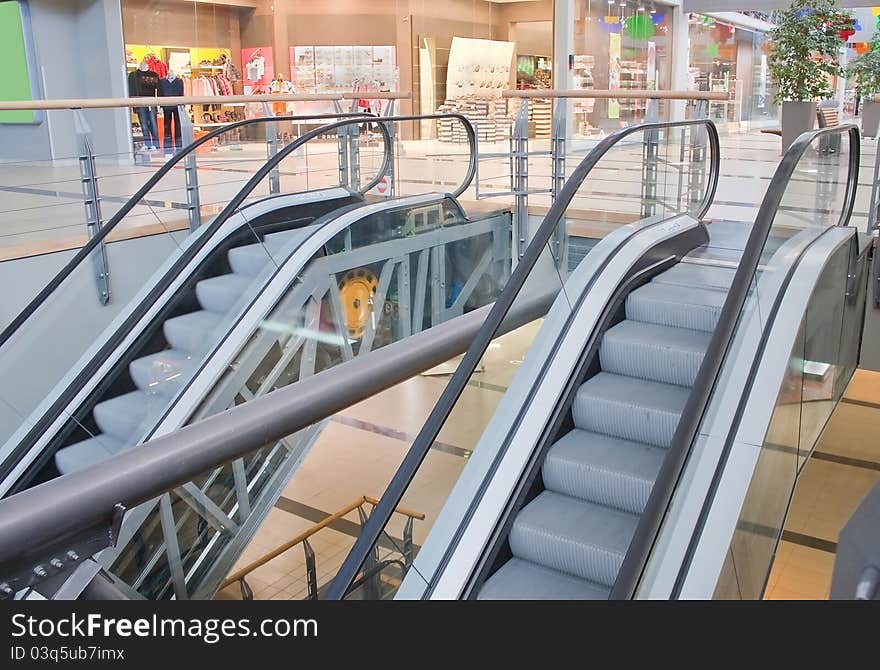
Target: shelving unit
[[488, 118], [633, 76], [583, 79]]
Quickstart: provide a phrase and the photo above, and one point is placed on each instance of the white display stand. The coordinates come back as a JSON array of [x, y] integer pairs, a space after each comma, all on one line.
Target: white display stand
[[478, 68]]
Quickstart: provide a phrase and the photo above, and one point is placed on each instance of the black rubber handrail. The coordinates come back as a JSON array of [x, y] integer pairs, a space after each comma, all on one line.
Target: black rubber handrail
[[132, 202], [430, 430], [192, 250], [637, 555]]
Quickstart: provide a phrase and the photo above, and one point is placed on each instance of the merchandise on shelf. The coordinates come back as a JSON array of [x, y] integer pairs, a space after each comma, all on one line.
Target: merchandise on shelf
[[317, 69], [488, 117]]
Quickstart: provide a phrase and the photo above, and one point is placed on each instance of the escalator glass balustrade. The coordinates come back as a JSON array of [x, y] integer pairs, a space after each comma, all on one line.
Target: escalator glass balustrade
[[658, 195], [574, 468]]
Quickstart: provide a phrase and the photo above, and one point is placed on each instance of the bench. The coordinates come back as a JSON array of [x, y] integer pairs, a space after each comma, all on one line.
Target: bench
[[826, 117]]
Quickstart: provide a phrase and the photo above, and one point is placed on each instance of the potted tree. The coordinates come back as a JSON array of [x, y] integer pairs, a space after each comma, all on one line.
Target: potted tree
[[866, 71], [805, 59]]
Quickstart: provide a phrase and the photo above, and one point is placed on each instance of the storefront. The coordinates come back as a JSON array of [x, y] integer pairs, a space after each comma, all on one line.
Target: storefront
[[732, 58], [312, 46], [620, 44]]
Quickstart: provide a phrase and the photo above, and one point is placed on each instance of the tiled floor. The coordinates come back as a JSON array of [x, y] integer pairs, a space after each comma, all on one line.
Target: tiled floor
[[844, 467], [356, 455]]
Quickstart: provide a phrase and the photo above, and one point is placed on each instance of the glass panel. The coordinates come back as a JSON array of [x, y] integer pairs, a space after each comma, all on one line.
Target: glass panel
[[143, 246], [763, 513], [667, 185], [813, 201], [825, 374]]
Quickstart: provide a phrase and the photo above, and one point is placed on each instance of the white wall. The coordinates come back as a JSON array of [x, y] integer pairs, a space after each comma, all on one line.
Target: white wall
[[44, 349], [79, 53]]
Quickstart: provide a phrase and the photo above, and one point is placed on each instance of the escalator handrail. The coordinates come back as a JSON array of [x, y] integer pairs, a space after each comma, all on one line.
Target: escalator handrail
[[133, 201], [694, 410], [192, 250], [411, 463], [188, 254]]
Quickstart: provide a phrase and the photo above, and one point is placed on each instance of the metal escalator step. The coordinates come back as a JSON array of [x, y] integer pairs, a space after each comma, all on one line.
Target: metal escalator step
[[250, 260], [88, 452], [522, 580], [193, 332], [604, 470], [162, 372], [219, 294], [697, 275], [629, 408], [123, 417], [289, 237], [573, 536], [677, 306], [654, 352]]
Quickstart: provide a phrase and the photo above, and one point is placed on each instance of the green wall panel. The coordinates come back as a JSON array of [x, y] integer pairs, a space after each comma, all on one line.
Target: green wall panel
[[15, 84]]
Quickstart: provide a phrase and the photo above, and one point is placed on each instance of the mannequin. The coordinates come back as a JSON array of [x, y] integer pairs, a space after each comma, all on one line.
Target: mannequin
[[144, 83], [171, 86]]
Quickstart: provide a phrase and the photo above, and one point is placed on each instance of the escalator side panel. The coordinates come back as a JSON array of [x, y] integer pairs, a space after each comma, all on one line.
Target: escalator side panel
[[752, 483]]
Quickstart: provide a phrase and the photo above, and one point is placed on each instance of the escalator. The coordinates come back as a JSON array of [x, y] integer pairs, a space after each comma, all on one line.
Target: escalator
[[643, 447], [570, 539], [276, 290]]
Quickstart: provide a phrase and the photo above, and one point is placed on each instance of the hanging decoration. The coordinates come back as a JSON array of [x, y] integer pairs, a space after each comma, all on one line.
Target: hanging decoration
[[610, 24], [639, 28], [657, 19], [861, 48], [875, 11], [712, 50]]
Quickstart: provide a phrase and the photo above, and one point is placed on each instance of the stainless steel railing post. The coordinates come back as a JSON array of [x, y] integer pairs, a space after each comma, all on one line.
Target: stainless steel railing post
[[92, 202]]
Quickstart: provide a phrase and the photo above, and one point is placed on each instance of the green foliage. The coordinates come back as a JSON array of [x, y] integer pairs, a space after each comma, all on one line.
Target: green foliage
[[806, 54], [866, 69]]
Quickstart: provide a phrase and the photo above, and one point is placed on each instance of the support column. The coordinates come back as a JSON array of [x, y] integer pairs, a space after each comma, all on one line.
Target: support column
[[680, 58], [563, 50]]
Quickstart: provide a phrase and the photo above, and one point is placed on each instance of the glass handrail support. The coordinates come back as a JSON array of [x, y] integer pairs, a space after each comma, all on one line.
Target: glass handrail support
[[655, 193], [192, 250], [812, 191], [28, 337]]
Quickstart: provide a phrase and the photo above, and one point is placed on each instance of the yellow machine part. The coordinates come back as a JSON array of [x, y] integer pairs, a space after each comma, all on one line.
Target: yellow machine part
[[356, 290]]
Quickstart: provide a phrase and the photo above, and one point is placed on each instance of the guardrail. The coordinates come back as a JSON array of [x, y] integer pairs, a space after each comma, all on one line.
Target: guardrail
[[172, 101], [303, 539]]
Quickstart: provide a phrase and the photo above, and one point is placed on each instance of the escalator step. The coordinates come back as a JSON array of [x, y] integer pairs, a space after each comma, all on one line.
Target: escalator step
[[698, 276], [193, 332], [653, 352], [162, 372], [122, 417], [88, 452], [252, 259], [288, 237], [677, 306], [604, 470], [629, 408], [219, 294], [573, 536], [521, 580]]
